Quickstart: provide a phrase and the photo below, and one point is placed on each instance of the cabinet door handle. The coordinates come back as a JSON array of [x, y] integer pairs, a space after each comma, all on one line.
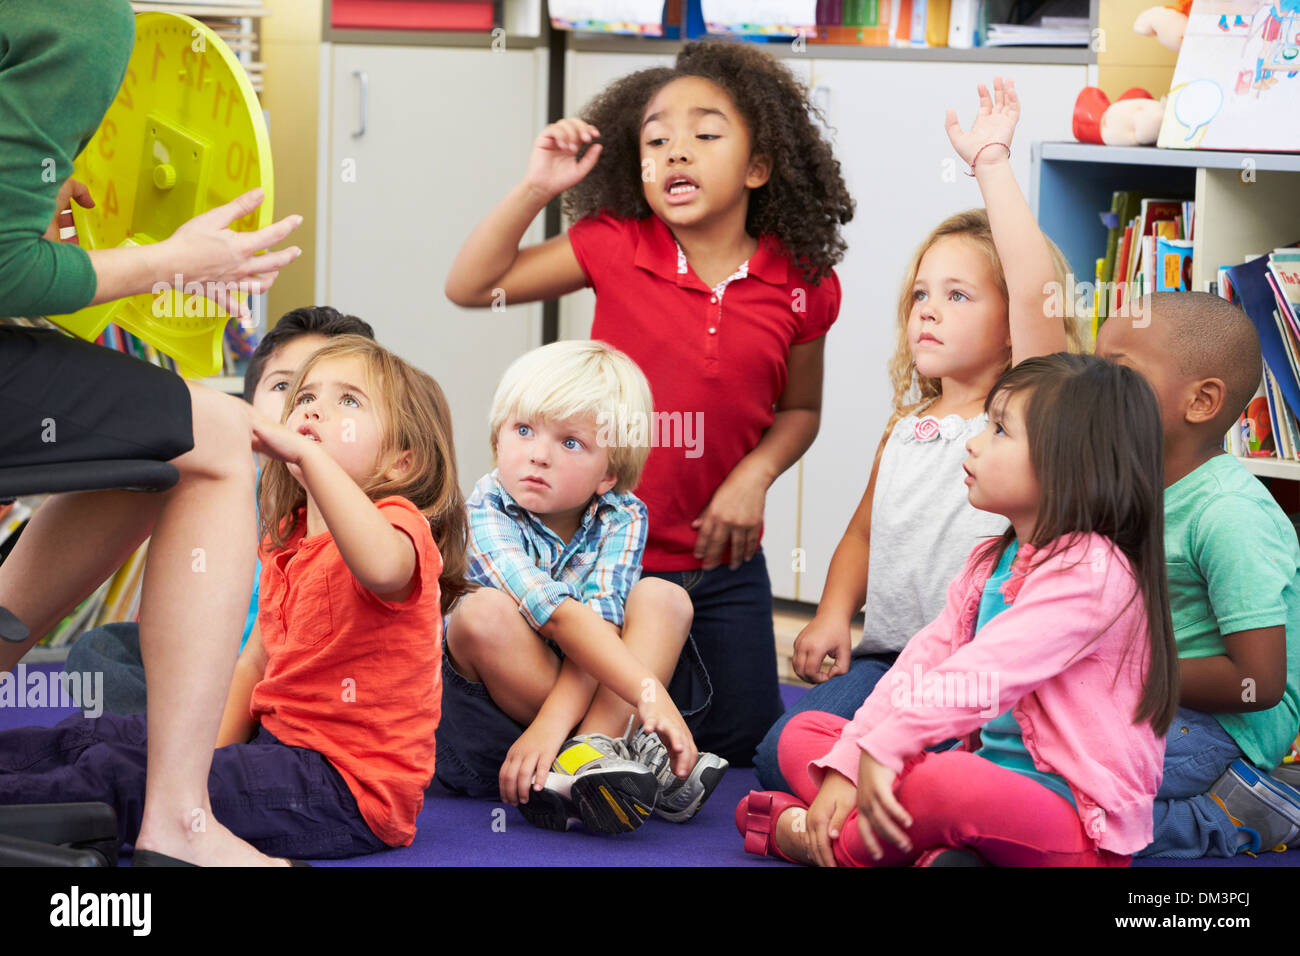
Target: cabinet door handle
[[365, 95]]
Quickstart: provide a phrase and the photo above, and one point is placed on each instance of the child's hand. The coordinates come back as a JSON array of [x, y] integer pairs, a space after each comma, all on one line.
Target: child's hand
[[734, 516], [529, 761], [659, 715], [995, 123], [826, 816], [815, 642], [878, 811], [553, 165], [274, 440], [70, 190]]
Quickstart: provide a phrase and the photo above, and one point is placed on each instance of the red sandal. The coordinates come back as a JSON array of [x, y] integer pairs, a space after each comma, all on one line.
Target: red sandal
[[756, 817]]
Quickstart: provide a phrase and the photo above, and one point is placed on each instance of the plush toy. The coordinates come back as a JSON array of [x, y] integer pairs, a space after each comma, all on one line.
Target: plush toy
[[1132, 120], [1166, 24]]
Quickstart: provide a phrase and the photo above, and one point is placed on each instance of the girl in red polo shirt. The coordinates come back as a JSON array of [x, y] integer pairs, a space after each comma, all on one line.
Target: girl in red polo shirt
[[708, 231], [327, 743]]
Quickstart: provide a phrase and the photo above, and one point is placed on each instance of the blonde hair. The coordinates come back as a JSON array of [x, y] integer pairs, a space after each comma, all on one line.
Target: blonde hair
[[581, 378], [416, 419], [913, 391]]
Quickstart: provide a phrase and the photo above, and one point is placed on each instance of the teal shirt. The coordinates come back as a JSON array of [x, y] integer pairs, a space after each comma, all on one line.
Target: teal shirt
[[1234, 565], [1001, 740], [61, 64]]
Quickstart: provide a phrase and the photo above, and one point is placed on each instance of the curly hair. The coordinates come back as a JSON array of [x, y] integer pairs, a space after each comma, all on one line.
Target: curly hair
[[913, 391], [803, 203]]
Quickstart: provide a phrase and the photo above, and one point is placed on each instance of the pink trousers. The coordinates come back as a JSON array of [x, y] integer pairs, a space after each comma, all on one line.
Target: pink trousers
[[955, 799]]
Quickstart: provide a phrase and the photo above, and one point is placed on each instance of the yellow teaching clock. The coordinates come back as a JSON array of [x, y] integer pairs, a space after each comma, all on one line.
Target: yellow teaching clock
[[184, 135]]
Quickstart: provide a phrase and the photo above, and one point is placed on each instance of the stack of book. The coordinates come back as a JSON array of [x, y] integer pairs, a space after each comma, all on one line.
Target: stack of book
[[1148, 249], [1268, 289]]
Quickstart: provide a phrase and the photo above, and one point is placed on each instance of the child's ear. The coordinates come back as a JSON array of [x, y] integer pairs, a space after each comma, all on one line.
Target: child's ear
[[400, 467], [608, 482], [760, 170], [1208, 396]]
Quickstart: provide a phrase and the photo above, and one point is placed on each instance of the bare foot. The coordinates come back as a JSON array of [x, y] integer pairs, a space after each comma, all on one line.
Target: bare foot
[[214, 845], [791, 829]]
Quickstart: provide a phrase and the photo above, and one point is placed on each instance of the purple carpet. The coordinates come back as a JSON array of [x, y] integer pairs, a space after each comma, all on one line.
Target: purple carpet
[[455, 831]]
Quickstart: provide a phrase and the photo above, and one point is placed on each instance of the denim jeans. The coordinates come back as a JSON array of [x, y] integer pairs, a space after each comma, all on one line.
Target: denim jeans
[[114, 651], [1188, 823], [733, 631], [841, 695]]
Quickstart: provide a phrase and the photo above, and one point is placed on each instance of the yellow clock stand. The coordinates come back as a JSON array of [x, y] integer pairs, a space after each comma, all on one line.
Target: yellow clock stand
[[185, 134]]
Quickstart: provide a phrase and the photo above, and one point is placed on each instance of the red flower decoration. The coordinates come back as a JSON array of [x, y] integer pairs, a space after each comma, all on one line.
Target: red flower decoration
[[926, 429]]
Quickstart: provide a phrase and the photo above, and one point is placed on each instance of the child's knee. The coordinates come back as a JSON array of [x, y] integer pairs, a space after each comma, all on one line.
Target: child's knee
[[223, 438], [670, 602], [486, 622]]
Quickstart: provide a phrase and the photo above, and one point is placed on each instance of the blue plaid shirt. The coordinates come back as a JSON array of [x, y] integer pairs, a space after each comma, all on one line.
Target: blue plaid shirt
[[513, 551]]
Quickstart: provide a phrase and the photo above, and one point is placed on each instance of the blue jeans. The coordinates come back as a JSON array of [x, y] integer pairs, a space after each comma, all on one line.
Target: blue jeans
[[841, 695], [1188, 823], [114, 651], [733, 632], [286, 801]]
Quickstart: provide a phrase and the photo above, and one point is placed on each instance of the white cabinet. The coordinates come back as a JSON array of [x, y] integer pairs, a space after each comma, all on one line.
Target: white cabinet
[[417, 145], [886, 119]]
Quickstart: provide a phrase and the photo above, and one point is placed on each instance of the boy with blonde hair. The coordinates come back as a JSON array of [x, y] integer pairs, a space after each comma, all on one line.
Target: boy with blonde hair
[[562, 633]]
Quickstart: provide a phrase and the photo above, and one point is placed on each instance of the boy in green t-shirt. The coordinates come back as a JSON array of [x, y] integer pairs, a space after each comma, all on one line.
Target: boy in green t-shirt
[[1234, 585]]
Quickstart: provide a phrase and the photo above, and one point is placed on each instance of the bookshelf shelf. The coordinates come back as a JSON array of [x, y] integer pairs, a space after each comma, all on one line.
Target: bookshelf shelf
[[1246, 205], [1154, 156], [591, 43], [1272, 468]]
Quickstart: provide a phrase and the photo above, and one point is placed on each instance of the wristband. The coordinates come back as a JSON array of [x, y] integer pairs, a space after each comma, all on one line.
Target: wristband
[[976, 157]]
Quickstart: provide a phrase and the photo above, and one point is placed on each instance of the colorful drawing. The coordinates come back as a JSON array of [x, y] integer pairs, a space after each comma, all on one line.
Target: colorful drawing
[[1237, 82]]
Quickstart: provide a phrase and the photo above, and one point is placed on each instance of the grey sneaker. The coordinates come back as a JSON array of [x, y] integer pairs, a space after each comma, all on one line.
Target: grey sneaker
[[1266, 809], [1288, 773], [593, 780], [678, 799]]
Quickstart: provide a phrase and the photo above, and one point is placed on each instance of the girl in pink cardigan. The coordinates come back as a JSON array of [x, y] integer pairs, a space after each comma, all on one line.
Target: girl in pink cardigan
[[1055, 643]]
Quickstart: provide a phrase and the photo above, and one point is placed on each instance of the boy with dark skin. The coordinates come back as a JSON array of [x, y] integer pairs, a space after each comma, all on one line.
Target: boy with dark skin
[[1234, 573]]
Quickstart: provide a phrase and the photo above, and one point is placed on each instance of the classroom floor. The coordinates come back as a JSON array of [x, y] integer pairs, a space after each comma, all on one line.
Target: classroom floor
[[456, 831]]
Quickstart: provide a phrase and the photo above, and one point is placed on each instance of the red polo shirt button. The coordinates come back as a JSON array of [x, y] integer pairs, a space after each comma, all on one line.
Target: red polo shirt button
[[713, 298], [713, 331]]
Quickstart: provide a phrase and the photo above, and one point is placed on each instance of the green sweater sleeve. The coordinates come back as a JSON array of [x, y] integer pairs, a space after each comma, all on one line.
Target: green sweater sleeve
[[61, 64]]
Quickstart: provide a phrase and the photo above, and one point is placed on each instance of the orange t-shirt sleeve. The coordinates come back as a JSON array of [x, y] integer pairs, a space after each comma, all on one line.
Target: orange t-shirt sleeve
[[403, 516]]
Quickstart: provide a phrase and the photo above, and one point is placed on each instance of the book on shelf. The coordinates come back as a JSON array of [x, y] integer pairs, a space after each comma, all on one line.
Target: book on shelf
[[1267, 288], [1148, 249]]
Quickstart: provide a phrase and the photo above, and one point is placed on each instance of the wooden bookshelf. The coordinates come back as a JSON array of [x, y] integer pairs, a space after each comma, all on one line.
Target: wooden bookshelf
[[1272, 468], [1246, 205]]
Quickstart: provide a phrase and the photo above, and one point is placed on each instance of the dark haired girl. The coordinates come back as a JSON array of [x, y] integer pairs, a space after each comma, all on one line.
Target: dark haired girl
[[708, 212], [1055, 643]]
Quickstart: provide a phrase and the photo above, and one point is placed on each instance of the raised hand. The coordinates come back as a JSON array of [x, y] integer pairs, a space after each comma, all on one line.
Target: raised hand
[[995, 123], [553, 165]]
